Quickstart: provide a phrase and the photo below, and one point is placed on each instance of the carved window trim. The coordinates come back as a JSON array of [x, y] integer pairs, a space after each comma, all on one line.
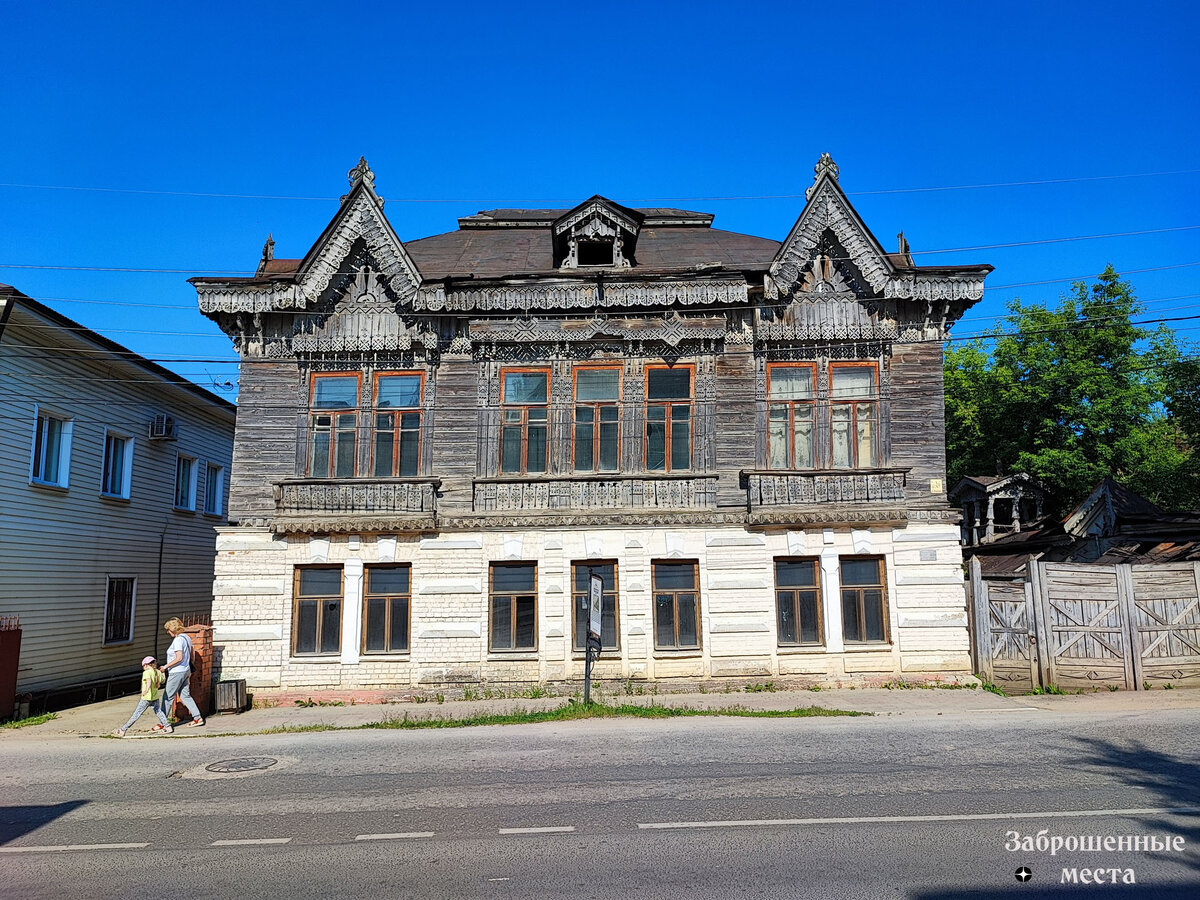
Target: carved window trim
[[596, 423], [521, 420], [332, 430], [668, 405], [791, 407], [853, 407], [788, 595], [397, 430]]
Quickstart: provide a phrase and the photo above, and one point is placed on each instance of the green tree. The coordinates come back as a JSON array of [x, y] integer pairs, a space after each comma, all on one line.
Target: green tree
[[1074, 393]]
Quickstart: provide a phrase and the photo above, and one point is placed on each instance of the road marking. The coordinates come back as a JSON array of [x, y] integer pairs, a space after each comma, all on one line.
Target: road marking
[[966, 817], [62, 847], [1007, 709], [498, 879], [394, 837], [250, 842], [548, 829]]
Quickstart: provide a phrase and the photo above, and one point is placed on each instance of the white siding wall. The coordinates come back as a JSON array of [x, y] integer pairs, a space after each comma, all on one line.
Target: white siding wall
[[56, 546], [449, 633]]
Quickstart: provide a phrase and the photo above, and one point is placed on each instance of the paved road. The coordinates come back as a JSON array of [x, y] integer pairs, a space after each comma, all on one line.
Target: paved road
[[915, 807]]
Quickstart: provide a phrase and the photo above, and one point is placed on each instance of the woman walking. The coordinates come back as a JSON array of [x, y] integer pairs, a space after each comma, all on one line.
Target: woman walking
[[179, 670]]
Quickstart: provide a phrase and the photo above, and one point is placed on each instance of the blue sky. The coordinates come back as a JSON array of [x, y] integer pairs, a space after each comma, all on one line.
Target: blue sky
[[469, 105]]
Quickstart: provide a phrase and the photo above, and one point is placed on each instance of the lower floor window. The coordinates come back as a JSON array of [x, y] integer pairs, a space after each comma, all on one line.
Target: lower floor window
[[676, 605], [581, 601], [118, 610], [513, 606], [317, 628], [798, 601], [864, 600], [386, 605]]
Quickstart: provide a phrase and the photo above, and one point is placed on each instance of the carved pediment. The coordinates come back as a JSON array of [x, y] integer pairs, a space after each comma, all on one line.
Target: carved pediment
[[363, 318], [597, 233]]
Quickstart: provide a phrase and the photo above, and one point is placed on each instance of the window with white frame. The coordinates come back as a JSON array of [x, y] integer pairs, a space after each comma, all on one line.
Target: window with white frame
[[51, 458], [185, 483], [214, 489], [120, 594], [116, 472]]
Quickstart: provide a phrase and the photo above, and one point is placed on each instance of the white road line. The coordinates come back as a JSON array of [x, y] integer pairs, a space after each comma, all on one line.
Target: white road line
[[1006, 709], [976, 817], [393, 837], [250, 842], [61, 847], [499, 879], [548, 829]]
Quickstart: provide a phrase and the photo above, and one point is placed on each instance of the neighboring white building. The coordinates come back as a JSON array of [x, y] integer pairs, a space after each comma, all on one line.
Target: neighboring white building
[[439, 441], [115, 475]]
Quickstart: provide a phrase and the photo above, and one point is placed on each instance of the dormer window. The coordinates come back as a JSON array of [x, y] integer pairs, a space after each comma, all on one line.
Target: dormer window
[[595, 253]]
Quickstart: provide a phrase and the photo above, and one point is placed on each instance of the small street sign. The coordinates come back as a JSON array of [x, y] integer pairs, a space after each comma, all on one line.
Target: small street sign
[[595, 605], [596, 596]]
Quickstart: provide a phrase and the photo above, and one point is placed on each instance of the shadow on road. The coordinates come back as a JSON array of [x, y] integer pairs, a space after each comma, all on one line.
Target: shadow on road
[[16, 821], [1158, 892]]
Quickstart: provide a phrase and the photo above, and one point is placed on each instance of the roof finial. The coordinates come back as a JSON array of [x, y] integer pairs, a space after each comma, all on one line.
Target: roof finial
[[269, 249], [825, 166], [361, 172], [904, 251]]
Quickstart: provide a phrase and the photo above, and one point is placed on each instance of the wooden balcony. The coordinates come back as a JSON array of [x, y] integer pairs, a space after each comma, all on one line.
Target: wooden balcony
[[333, 505], [642, 498], [860, 496]]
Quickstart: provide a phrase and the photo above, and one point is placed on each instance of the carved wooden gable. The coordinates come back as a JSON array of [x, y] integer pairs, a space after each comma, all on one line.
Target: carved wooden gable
[[360, 318], [829, 249]]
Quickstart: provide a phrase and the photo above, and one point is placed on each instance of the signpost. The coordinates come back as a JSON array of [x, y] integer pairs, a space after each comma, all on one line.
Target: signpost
[[595, 606]]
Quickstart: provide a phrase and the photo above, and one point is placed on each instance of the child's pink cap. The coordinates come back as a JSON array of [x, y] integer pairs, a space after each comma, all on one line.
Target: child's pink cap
[[148, 660]]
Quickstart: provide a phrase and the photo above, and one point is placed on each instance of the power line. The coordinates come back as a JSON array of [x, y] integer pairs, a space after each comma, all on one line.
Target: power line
[[537, 201]]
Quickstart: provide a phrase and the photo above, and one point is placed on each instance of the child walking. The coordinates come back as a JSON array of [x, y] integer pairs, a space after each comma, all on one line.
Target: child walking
[[152, 682]]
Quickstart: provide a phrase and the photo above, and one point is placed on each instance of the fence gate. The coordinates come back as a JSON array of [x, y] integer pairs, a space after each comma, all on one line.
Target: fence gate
[[1076, 625], [1006, 643]]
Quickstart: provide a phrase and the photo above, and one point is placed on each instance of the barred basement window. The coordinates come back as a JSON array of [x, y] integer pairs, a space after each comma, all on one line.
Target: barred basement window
[[386, 607], [120, 594], [317, 614]]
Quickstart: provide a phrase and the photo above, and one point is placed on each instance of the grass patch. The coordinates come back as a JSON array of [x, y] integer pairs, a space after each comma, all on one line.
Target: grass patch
[[993, 688], [32, 720], [571, 711]]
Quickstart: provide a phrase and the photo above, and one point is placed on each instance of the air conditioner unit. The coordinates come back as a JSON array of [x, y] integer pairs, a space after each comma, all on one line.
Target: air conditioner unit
[[162, 428]]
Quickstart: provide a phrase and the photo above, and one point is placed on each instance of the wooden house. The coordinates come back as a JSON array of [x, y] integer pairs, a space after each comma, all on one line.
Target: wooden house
[[116, 475], [440, 440]]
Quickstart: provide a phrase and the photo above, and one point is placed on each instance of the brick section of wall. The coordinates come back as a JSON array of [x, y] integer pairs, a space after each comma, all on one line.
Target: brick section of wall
[[200, 683]]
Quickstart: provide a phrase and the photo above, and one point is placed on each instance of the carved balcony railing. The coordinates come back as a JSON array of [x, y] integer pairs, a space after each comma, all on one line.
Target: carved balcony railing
[[638, 499], [860, 496], [332, 505]]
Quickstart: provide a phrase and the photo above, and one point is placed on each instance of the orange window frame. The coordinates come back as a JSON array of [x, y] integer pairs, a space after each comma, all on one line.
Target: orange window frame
[[376, 411], [332, 411], [595, 405], [691, 402], [524, 424]]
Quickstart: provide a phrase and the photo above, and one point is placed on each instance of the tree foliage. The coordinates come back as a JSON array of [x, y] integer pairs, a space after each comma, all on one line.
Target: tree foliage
[[1077, 392]]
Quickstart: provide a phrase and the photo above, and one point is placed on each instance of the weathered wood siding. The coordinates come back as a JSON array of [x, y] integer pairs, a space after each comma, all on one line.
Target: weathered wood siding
[[459, 424], [735, 424], [269, 439], [59, 545], [917, 422]]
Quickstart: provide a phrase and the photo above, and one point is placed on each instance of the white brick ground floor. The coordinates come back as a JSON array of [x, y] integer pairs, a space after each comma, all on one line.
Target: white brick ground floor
[[450, 607]]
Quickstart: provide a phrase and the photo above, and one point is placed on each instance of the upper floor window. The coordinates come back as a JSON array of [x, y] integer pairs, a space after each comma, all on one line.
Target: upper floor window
[[51, 459], [668, 418], [333, 426], [595, 253], [185, 482], [597, 420], [791, 390], [524, 399], [397, 437], [214, 489], [854, 415], [116, 472]]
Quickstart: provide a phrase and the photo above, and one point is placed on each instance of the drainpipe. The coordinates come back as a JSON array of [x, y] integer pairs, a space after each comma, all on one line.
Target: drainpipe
[[162, 537]]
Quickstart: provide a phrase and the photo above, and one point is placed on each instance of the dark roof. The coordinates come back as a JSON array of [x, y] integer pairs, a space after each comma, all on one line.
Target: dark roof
[[531, 218], [11, 297], [497, 252]]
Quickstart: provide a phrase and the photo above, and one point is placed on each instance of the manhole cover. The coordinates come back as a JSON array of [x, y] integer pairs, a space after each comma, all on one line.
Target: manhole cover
[[250, 764]]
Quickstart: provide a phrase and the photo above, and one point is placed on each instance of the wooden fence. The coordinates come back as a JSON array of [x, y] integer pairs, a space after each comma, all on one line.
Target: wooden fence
[[1077, 625]]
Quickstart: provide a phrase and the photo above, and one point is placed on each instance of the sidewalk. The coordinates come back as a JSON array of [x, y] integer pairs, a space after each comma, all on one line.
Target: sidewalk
[[97, 719]]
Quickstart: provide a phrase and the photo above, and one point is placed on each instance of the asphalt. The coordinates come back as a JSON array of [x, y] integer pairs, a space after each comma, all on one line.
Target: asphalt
[[97, 719]]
